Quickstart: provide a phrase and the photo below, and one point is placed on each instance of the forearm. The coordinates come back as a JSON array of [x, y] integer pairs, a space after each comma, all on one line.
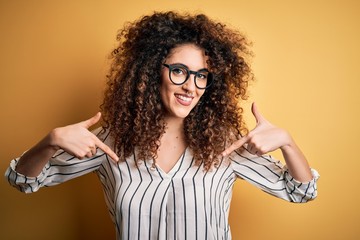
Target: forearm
[[33, 161], [74, 139], [296, 162]]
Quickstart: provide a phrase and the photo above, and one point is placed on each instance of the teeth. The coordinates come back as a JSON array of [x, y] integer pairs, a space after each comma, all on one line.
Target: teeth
[[187, 99]]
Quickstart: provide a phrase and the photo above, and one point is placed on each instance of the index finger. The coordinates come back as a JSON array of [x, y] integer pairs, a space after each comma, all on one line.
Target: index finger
[[106, 149], [236, 145]]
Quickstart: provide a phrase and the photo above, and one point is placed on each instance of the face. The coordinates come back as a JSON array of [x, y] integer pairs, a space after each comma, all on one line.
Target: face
[[179, 100]]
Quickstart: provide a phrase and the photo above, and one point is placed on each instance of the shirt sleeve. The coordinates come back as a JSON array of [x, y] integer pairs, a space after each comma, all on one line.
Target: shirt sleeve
[[272, 177], [60, 168]]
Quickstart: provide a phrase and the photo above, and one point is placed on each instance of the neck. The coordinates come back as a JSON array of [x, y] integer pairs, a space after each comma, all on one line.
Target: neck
[[174, 124], [174, 131]]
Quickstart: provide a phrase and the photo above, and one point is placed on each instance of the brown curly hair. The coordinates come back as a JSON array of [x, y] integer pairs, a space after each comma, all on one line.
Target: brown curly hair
[[132, 107]]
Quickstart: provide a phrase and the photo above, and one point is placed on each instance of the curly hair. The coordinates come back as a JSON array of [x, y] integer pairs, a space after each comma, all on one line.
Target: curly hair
[[132, 107]]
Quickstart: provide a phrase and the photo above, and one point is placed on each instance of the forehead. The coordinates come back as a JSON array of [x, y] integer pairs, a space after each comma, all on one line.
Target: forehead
[[188, 54]]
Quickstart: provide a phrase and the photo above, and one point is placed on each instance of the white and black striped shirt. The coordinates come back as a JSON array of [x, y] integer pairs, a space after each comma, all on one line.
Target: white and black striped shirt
[[185, 203]]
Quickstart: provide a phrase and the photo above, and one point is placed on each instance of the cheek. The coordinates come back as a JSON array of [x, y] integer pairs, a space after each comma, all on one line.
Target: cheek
[[199, 96], [200, 93]]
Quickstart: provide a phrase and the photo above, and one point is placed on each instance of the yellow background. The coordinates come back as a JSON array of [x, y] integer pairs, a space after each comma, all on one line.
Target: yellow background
[[53, 59]]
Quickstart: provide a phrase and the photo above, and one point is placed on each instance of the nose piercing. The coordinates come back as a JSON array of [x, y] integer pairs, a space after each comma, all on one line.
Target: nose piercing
[[190, 94]]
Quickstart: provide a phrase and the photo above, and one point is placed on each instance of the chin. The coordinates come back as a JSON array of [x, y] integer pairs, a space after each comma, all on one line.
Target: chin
[[181, 115], [178, 114]]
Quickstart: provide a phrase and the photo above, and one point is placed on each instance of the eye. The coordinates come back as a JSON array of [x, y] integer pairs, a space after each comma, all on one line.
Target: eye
[[202, 75], [178, 71]]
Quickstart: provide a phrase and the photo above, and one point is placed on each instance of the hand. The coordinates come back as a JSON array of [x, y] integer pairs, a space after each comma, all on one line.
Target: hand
[[264, 138], [78, 141]]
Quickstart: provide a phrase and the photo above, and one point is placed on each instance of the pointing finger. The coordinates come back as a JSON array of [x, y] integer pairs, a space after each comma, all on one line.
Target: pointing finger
[[236, 145], [106, 149]]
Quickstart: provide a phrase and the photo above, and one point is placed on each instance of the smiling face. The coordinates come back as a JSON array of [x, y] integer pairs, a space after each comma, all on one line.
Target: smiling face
[[179, 100]]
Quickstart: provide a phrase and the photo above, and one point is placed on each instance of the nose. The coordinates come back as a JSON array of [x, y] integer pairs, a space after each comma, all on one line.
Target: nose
[[189, 85]]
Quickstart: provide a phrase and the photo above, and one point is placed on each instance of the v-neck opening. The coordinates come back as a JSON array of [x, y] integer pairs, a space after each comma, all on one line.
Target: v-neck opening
[[176, 166]]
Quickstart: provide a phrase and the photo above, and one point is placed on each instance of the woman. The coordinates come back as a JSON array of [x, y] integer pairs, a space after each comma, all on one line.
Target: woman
[[173, 140]]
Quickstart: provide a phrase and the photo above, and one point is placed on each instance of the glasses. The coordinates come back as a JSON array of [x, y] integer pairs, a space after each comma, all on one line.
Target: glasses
[[180, 73]]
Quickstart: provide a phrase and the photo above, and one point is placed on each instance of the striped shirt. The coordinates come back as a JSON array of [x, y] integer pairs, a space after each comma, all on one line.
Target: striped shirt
[[185, 203]]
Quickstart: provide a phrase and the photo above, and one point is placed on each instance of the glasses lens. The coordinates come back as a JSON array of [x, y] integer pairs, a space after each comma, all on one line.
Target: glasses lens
[[203, 78], [178, 74]]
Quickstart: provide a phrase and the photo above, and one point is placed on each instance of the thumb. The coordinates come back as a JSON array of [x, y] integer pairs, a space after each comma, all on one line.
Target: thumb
[[259, 118], [91, 121]]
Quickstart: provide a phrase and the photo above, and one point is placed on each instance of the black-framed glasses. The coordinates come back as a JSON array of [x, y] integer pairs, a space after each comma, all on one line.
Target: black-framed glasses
[[180, 73]]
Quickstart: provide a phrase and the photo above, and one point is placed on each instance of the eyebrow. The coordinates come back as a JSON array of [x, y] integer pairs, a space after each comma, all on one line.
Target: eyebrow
[[181, 64]]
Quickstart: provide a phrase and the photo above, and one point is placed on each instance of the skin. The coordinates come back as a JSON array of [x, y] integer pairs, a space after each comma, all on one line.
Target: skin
[[75, 139], [265, 138], [178, 100]]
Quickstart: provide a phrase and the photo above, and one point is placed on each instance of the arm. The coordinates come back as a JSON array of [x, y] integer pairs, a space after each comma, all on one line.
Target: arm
[[265, 138], [75, 139], [272, 177]]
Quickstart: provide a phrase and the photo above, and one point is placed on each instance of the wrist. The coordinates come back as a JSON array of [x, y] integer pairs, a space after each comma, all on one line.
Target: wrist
[[51, 139], [289, 143]]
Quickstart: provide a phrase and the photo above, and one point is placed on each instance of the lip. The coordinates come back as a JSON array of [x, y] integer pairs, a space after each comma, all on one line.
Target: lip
[[184, 99]]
